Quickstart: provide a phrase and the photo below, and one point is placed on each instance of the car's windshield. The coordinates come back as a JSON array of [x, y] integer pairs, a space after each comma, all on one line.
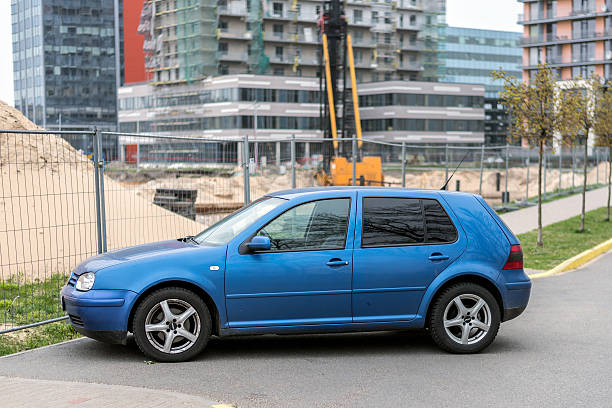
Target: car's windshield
[[225, 230]]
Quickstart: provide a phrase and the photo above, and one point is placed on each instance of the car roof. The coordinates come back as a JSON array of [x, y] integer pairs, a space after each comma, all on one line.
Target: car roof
[[301, 192]]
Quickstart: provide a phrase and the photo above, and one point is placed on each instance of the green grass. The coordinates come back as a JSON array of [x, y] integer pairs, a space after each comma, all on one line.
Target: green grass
[[36, 337], [23, 303], [563, 241]]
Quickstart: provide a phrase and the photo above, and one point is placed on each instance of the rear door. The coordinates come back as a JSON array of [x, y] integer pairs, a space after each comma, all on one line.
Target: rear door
[[401, 243]]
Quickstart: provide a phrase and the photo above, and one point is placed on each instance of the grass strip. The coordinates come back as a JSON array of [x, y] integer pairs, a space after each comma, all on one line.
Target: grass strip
[[35, 337], [562, 240]]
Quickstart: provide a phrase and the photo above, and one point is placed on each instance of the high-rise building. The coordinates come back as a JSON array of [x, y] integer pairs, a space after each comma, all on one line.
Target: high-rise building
[[187, 40], [574, 37], [64, 63], [470, 56]]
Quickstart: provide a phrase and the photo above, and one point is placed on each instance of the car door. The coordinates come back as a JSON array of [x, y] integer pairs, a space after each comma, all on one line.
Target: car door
[[402, 243], [305, 278]]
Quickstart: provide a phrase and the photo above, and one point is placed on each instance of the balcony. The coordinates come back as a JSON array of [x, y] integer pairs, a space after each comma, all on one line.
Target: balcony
[[553, 15], [234, 10], [555, 39], [235, 35], [232, 56]]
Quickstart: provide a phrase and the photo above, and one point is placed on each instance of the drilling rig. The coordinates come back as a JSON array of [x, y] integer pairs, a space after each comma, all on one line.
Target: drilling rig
[[335, 52]]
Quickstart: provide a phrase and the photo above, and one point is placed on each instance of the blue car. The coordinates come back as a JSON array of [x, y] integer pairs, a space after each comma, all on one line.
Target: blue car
[[318, 260]]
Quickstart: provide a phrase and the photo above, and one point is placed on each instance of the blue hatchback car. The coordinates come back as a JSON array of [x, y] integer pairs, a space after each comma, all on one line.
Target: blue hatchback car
[[312, 261]]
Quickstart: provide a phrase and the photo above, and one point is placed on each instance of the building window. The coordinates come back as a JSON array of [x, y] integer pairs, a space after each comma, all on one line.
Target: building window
[[278, 30], [223, 48], [357, 16], [412, 20], [278, 51], [278, 9], [279, 71]]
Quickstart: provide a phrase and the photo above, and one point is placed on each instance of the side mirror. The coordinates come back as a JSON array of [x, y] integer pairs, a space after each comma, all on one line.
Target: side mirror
[[259, 243]]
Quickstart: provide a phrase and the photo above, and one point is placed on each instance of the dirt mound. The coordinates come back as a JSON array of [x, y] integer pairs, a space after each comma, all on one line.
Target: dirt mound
[[47, 206]]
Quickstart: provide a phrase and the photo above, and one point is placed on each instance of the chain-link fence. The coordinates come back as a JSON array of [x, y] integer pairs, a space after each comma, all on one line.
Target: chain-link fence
[[59, 206]]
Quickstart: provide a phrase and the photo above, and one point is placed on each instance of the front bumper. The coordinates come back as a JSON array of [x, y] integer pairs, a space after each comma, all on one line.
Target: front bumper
[[100, 314]]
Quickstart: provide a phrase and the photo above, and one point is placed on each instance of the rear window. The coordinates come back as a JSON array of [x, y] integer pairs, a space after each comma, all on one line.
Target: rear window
[[392, 221]]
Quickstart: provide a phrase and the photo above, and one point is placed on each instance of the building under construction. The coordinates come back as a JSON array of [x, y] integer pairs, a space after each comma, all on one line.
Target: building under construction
[[187, 40]]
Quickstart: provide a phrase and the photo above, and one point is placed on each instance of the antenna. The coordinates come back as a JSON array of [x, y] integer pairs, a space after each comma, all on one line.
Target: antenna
[[451, 176]]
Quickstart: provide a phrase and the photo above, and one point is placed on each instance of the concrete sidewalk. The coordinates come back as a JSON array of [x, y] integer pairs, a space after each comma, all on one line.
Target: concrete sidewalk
[[525, 220], [25, 393]]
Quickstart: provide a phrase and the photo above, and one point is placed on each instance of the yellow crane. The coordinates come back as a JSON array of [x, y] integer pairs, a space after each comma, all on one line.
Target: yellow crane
[[368, 170]]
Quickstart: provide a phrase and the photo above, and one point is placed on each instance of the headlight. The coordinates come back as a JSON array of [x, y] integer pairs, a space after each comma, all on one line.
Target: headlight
[[85, 281]]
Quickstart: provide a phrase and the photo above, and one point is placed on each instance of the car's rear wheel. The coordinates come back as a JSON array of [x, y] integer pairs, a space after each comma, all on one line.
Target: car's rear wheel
[[171, 325], [464, 318]]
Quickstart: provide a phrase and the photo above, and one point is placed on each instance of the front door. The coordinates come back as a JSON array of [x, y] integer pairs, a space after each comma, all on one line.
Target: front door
[[305, 278], [405, 243]]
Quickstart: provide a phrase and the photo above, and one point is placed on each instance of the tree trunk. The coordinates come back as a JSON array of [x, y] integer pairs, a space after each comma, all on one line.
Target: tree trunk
[[609, 180], [541, 154], [584, 183]]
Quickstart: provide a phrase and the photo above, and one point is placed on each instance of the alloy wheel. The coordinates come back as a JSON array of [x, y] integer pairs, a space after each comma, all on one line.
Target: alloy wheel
[[467, 319], [172, 326]]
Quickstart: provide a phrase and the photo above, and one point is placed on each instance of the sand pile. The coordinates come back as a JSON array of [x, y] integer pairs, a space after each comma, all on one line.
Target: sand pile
[[47, 206]]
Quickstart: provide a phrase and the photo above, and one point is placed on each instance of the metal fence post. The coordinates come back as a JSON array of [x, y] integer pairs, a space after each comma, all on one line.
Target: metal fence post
[[100, 170], [544, 168], [245, 165], [96, 156], [481, 168], [403, 164], [445, 163], [527, 183], [560, 167], [293, 184], [354, 154], [597, 166], [506, 184], [573, 167]]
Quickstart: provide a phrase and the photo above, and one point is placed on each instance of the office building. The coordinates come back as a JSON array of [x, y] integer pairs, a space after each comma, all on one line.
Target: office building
[[64, 63], [572, 36], [471, 55], [224, 108]]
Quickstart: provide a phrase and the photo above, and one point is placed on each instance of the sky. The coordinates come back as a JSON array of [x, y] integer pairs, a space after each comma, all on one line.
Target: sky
[[485, 14]]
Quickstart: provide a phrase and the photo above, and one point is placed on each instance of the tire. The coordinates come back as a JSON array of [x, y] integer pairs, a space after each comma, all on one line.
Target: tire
[[175, 312], [454, 329]]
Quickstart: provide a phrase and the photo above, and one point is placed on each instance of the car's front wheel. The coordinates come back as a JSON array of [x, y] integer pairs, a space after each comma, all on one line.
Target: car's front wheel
[[464, 318], [171, 325]]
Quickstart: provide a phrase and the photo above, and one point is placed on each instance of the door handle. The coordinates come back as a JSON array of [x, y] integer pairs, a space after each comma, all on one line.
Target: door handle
[[337, 262], [437, 256]]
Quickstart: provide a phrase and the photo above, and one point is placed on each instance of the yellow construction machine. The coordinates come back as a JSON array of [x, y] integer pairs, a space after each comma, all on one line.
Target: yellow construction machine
[[337, 170]]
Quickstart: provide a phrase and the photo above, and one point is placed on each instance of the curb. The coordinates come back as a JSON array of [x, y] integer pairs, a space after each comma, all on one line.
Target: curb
[[576, 261]]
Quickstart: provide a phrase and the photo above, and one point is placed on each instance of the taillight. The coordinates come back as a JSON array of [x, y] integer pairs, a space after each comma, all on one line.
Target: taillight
[[515, 259]]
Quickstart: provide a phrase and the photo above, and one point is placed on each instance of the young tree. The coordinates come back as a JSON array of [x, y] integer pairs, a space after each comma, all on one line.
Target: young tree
[[581, 97], [538, 113], [602, 126]]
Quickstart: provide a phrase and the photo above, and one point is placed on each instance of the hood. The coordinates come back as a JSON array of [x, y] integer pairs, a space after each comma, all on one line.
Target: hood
[[118, 256]]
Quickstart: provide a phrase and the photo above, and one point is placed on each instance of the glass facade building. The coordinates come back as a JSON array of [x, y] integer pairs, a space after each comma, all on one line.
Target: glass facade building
[[64, 63], [471, 55]]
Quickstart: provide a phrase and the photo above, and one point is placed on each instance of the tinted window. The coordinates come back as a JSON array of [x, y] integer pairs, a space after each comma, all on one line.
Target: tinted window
[[392, 221], [404, 221], [315, 225], [438, 226]]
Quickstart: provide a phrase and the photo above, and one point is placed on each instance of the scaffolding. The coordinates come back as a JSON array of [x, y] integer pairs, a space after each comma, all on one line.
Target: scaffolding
[[258, 61], [180, 40]]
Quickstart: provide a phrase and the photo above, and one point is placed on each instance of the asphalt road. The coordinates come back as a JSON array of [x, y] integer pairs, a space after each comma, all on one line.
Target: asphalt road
[[558, 353]]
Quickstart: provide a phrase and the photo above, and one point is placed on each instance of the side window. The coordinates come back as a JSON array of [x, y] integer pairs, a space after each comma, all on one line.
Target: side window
[[392, 221], [439, 227], [314, 225], [389, 221]]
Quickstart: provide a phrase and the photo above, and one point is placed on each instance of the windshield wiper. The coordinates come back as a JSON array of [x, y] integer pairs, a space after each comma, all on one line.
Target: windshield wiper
[[189, 238]]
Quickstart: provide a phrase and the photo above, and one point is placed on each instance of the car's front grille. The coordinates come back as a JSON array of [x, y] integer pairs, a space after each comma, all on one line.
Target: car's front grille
[[76, 320], [72, 280]]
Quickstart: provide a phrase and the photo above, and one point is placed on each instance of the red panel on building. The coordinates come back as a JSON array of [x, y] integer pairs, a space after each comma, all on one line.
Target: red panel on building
[[133, 56]]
